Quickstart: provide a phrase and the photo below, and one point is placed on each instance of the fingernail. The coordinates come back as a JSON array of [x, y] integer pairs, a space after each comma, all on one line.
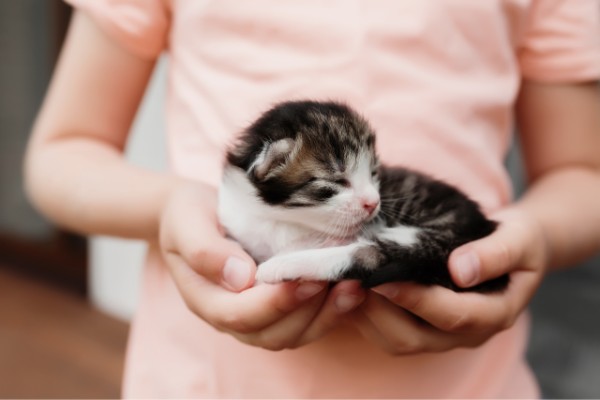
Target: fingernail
[[346, 302], [389, 291], [236, 273], [306, 290], [468, 267]]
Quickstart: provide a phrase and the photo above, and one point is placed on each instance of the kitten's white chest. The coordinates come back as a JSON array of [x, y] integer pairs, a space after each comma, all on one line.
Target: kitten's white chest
[[264, 238], [247, 220]]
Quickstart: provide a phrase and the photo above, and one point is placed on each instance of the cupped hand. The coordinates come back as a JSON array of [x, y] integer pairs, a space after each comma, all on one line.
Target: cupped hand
[[406, 318], [215, 278]]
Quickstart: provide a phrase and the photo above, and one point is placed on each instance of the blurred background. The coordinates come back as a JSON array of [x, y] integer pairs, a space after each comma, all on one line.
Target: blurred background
[[65, 300]]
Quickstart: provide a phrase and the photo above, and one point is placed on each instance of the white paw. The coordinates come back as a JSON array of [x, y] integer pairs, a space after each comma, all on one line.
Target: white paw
[[304, 265], [278, 269]]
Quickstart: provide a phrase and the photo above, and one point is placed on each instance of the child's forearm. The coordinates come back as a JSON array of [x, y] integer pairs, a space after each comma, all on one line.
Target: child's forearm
[[75, 172], [86, 185], [560, 134], [566, 203]]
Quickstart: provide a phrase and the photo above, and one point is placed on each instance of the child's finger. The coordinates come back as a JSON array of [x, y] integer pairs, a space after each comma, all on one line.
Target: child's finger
[[249, 311], [196, 238], [451, 311], [311, 321], [481, 261], [399, 333], [221, 261], [500, 253], [285, 333], [343, 298]]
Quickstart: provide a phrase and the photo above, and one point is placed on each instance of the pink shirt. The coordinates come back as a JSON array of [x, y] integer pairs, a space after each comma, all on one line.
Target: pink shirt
[[437, 79]]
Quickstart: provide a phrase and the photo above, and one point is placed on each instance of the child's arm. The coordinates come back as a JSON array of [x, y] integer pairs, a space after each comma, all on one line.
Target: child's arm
[[75, 172], [556, 224], [76, 175], [561, 144]]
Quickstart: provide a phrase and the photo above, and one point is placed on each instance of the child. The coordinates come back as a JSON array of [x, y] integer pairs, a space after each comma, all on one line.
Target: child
[[439, 80]]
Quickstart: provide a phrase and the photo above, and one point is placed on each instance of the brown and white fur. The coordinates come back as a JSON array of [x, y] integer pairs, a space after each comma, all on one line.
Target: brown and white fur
[[304, 193]]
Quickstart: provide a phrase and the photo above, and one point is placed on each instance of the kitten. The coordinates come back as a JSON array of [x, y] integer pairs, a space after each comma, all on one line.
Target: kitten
[[304, 193]]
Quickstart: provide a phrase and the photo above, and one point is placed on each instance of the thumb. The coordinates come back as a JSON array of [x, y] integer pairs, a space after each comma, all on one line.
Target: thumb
[[486, 258], [478, 261], [209, 254], [189, 231], [221, 261]]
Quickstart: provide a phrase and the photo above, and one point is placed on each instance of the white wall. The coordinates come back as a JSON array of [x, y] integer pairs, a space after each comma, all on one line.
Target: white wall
[[116, 264]]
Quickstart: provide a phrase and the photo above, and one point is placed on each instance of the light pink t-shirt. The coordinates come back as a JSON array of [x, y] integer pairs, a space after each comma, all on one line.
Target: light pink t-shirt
[[437, 79]]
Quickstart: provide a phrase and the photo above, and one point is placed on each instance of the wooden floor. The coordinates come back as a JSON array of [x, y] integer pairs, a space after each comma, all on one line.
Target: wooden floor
[[53, 344]]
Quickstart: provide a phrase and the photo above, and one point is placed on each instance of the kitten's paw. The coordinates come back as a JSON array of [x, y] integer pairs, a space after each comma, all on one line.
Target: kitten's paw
[[292, 266], [277, 269]]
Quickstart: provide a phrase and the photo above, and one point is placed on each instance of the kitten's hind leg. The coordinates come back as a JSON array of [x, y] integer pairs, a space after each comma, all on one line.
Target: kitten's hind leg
[[406, 267], [420, 266], [324, 264]]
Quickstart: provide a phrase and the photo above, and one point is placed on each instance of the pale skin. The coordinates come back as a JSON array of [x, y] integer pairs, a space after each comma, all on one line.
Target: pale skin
[[76, 175]]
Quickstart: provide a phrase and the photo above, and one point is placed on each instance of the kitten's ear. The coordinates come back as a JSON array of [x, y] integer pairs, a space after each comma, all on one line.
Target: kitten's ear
[[272, 156]]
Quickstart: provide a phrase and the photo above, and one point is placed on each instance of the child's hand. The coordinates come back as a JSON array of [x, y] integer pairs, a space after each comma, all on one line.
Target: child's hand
[[449, 319], [215, 277]]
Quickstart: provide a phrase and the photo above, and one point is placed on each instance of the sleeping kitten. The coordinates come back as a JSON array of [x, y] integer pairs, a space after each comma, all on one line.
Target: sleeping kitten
[[304, 193]]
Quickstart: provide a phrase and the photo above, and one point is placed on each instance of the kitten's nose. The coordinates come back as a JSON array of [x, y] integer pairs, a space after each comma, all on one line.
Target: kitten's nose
[[369, 205]]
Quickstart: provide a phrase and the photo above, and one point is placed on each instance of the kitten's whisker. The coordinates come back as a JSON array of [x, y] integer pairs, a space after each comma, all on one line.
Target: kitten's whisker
[[399, 217], [395, 198], [413, 227]]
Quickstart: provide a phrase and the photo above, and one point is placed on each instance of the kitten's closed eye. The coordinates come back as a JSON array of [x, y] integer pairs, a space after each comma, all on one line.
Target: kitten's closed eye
[[324, 193], [337, 181], [342, 182], [314, 197]]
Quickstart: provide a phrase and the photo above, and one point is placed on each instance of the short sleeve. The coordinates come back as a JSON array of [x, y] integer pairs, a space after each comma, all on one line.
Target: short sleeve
[[562, 41], [141, 26]]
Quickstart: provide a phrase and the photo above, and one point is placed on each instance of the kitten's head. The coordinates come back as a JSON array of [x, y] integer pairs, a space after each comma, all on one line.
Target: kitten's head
[[314, 160]]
